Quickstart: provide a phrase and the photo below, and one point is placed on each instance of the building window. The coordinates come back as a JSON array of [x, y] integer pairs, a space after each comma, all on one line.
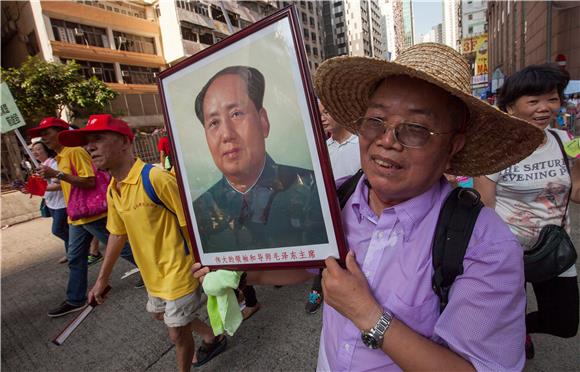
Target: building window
[[102, 71], [310, 6], [306, 34], [470, 30], [313, 36], [315, 51], [470, 17], [75, 33], [134, 43], [194, 7], [139, 74], [244, 23], [120, 7], [304, 18], [217, 14], [311, 21], [195, 33]]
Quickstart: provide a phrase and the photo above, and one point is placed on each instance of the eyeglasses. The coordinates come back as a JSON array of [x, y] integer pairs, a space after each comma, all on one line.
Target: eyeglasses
[[407, 134]]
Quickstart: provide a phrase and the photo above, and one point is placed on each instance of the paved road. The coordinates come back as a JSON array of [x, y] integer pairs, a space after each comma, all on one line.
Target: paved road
[[120, 336]]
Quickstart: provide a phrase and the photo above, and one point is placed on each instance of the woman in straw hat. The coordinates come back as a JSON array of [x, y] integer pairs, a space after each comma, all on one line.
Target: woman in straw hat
[[534, 192], [417, 120]]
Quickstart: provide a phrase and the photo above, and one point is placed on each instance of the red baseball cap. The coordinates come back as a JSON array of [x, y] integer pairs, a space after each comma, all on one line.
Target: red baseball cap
[[96, 123], [47, 123]]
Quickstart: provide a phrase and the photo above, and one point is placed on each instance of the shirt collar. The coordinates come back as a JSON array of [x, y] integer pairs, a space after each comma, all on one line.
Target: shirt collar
[[409, 212], [134, 173], [265, 179], [352, 139], [62, 153]]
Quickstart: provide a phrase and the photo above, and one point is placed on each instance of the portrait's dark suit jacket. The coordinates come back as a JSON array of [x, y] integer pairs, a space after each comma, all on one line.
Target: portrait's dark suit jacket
[[282, 209]]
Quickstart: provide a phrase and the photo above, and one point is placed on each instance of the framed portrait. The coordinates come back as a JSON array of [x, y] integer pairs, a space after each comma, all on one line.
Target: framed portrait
[[249, 151]]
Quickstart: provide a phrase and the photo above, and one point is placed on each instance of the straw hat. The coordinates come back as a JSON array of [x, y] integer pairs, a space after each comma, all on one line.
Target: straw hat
[[494, 139]]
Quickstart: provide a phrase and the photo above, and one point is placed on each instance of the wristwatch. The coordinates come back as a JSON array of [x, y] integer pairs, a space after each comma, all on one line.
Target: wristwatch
[[59, 175], [373, 339]]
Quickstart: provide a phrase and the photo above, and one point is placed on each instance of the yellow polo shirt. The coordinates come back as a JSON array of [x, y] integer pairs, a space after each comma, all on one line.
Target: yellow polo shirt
[[81, 161], [153, 231]]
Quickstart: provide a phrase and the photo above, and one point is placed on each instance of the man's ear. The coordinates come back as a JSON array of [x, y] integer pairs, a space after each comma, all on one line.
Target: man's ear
[[264, 122], [510, 109], [457, 143]]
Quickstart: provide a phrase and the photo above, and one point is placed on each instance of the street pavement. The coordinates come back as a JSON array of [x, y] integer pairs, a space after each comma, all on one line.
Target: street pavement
[[121, 336]]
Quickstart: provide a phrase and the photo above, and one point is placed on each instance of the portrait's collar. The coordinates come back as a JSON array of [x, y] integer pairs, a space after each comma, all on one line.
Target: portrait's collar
[[267, 164]]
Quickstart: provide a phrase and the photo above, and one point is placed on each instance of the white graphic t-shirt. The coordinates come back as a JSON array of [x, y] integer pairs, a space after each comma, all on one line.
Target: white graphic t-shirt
[[533, 193]]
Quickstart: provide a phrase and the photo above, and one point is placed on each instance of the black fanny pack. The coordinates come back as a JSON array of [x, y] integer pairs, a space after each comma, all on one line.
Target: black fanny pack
[[554, 252]]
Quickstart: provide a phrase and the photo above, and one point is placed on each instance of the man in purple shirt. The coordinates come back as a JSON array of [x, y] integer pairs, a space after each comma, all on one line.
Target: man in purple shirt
[[417, 120]]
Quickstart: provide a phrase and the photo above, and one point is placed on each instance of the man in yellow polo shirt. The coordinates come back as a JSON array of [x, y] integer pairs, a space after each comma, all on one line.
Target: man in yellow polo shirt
[[81, 231], [155, 225]]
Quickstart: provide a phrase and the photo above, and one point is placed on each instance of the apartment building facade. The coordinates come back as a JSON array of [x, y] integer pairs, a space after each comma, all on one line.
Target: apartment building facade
[[353, 28], [127, 43], [451, 23], [117, 42], [532, 32], [473, 18]]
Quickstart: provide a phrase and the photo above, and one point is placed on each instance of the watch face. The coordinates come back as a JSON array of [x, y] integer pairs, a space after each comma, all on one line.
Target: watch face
[[369, 341]]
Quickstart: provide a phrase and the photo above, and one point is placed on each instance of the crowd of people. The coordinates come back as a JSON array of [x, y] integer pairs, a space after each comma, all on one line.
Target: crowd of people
[[400, 128]]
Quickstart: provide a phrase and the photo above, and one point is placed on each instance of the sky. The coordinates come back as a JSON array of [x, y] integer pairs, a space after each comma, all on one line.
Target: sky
[[428, 13]]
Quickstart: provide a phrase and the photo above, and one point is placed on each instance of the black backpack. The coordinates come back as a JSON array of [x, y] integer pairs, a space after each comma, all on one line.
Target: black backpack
[[454, 227]]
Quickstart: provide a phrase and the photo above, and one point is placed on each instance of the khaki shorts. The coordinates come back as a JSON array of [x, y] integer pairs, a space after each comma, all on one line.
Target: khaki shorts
[[178, 312]]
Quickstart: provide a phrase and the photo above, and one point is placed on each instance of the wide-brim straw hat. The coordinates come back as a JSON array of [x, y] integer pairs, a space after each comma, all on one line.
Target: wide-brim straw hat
[[494, 139]]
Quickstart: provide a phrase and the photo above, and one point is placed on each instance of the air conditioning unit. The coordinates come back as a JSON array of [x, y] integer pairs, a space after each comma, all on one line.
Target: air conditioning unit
[[125, 73], [79, 32], [97, 71]]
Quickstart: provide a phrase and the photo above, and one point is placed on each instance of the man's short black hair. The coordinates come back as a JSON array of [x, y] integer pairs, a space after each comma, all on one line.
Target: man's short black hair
[[255, 85], [532, 80]]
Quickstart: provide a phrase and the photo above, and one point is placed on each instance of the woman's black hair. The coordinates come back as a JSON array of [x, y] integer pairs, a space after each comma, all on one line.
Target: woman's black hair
[[532, 80], [49, 152]]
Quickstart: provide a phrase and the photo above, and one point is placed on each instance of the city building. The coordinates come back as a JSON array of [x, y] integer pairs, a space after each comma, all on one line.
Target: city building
[[474, 43], [451, 22], [408, 24], [352, 28], [473, 18], [387, 10], [127, 43], [435, 35], [117, 42], [532, 32], [309, 13]]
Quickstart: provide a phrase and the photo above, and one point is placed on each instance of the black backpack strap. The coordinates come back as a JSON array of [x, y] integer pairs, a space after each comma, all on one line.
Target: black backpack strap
[[347, 188], [567, 162], [452, 234]]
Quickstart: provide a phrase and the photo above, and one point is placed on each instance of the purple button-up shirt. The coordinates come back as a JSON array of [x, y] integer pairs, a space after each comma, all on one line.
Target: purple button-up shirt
[[484, 319]]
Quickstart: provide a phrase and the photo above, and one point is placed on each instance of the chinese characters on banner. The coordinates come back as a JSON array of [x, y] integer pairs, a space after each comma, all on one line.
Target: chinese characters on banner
[[266, 257], [11, 117]]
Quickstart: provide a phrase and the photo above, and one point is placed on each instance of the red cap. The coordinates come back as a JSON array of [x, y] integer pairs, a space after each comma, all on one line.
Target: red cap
[[47, 123], [96, 123]]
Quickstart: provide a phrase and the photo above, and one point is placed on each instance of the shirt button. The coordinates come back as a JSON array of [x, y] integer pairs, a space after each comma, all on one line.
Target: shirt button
[[347, 347], [380, 235]]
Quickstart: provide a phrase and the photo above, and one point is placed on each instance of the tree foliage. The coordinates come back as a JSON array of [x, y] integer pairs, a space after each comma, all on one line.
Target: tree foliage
[[44, 89]]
